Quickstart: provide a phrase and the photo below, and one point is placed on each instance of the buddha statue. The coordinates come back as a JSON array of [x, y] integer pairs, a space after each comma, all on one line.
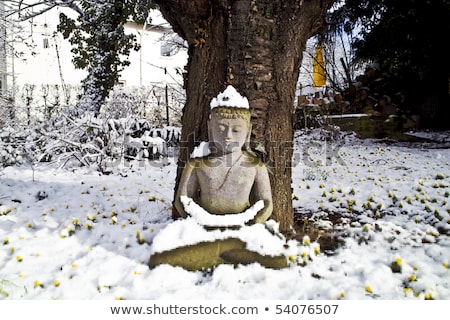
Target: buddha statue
[[224, 196]]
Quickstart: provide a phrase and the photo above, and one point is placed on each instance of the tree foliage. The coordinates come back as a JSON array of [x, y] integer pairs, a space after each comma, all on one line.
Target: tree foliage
[[101, 45], [407, 39]]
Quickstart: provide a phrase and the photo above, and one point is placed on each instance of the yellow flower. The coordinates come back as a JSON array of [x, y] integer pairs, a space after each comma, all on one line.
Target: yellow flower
[[413, 277], [407, 290], [429, 296], [38, 284], [19, 258], [396, 265], [317, 250], [306, 240], [368, 289], [5, 240], [92, 218], [56, 283]]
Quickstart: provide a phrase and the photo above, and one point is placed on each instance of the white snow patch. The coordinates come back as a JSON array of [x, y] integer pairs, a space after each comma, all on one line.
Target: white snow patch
[[229, 98]]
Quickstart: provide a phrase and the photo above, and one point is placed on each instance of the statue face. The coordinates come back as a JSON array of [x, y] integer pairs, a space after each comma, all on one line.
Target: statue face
[[228, 135]]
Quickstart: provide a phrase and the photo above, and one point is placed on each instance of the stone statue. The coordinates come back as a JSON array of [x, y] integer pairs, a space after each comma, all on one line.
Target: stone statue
[[225, 197], [229, 179]]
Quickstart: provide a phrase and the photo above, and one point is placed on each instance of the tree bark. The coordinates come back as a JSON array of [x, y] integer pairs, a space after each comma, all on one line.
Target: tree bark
[[257, 47]]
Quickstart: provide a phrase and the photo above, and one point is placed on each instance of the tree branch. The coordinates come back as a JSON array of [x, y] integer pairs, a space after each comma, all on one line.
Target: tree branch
[[26, 11]]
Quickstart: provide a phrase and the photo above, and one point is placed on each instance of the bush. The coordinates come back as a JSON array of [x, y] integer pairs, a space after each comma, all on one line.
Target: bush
[[87, 141]]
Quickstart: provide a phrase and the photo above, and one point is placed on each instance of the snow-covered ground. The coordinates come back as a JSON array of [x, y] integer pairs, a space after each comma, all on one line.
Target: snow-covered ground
[[76, 234]]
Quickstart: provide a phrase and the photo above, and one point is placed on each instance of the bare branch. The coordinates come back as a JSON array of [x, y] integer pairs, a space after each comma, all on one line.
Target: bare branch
[[26, 10]]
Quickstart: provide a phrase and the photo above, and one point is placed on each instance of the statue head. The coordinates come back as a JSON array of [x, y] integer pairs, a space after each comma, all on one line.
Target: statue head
[[229, 126]]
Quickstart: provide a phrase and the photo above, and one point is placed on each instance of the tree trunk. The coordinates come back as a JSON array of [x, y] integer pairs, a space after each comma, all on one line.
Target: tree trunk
[[257, 47]]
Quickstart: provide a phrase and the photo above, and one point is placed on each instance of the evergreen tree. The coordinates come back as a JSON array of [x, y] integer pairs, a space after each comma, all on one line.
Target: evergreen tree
[[407, 39]]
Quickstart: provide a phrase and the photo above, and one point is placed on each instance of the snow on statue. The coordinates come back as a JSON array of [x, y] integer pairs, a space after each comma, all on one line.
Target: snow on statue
[[225, 197]]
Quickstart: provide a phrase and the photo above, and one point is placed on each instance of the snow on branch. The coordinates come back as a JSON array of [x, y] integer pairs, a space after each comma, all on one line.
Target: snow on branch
[[29, 9]]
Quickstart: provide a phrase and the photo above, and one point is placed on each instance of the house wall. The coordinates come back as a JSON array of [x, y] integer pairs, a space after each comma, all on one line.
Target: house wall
[[44, 67]]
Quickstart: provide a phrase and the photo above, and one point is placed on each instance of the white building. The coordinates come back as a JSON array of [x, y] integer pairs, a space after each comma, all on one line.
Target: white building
[[50, 59]]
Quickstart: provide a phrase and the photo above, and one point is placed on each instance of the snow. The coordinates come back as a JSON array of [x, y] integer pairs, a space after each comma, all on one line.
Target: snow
[[202, 150], [352, 115], [76, 234], [229, 98], [257, 237], [204, 218], [190, 231]]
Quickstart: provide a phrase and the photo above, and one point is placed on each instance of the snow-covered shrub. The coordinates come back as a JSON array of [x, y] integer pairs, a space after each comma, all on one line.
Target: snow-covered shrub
[[153, 102], [131, 126], [101, 142], [131, 138], [87, 141], [12, 147], [170, 134], [21, 146]]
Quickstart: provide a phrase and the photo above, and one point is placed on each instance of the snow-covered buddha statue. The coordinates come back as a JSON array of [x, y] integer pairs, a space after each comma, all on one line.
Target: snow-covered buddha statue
[[226, 179], [225, 197]]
